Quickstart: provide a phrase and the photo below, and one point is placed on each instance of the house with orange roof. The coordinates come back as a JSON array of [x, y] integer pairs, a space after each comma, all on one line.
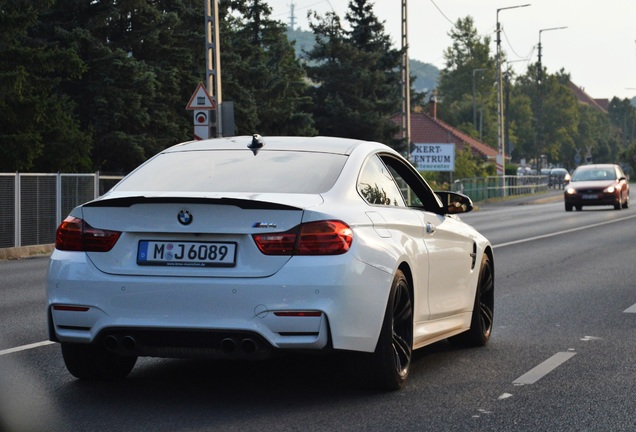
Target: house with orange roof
[[426, 128], [601, 105]]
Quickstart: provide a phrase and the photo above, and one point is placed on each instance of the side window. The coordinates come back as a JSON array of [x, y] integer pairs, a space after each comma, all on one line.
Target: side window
[[412, 200], [376, 185], [414, 188]]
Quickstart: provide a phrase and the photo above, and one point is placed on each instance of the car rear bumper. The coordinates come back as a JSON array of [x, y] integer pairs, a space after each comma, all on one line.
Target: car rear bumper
[[340, 304]]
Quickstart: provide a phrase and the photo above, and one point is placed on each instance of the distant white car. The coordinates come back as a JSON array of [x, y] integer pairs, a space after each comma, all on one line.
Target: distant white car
[[240, 247]]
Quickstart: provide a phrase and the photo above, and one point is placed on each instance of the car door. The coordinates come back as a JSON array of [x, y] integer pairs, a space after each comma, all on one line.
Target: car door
[[449, 245], [400, 226]]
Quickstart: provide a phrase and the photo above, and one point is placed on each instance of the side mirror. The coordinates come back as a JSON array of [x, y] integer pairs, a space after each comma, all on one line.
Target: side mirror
[[454, 203]]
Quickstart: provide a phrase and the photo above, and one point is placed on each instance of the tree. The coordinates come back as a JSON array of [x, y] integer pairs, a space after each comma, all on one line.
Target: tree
[[424, 76], [39, 130], [468, 61], [522, 126], [623, 116], [140, 69], [468, 166], [555, 114], [356, 75], [261, 73]]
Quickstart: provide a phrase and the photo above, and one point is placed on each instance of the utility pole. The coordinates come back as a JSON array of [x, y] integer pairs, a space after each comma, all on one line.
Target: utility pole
[[213, 64]]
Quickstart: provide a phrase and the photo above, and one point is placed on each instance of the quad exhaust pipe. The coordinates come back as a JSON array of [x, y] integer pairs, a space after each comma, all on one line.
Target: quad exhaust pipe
[[112, 343], [228, 345], [129, 343], [246, 345]]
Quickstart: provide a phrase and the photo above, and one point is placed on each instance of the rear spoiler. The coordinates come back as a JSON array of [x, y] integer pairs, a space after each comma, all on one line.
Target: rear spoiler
[[236, 202]]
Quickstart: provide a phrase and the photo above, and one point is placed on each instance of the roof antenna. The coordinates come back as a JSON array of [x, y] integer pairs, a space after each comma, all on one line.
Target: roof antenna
[[256, 144]]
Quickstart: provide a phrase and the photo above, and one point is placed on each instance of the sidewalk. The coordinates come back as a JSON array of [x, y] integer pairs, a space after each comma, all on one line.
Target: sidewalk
[[549, 196]]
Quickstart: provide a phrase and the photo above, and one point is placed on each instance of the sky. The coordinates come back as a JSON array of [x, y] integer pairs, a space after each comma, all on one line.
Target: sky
[[597, 49]]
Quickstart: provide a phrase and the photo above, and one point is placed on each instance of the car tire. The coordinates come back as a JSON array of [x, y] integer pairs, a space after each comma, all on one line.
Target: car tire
[[579, 208], [389, 364], [483, 309], [93, 362], [568, 207]]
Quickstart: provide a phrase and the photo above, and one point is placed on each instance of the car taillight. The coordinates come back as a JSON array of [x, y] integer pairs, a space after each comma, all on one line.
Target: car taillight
[[324, 238], [314, 238], [74, 234]]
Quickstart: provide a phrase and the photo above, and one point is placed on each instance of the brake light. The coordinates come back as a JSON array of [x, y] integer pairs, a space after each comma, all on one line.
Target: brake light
[[69, 308], [314, 238], [298, 313], [74, 234], [324, 238]]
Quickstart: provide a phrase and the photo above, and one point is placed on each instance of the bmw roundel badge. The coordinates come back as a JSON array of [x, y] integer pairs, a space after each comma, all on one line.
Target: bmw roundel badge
[[185, 217]]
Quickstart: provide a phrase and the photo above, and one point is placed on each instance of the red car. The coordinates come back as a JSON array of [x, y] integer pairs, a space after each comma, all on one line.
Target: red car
[[596, 185]]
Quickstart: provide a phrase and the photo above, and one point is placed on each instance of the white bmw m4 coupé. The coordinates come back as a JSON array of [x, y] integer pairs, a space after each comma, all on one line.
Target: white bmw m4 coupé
[[242, 247]]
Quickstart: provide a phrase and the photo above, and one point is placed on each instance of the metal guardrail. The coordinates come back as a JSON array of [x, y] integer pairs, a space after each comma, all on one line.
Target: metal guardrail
[[33, 205]]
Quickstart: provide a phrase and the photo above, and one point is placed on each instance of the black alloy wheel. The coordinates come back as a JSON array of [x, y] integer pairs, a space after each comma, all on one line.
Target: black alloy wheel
[[483, 310], [389, 365]]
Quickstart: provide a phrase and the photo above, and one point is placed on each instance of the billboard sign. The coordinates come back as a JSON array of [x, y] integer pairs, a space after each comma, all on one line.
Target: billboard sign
[[433, 157]]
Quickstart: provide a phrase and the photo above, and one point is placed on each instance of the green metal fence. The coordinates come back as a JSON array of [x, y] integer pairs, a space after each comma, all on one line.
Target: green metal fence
[[33, 205], [481, 189]]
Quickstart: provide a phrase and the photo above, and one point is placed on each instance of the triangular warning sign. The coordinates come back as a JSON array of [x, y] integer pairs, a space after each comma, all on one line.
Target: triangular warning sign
[[201, 100]]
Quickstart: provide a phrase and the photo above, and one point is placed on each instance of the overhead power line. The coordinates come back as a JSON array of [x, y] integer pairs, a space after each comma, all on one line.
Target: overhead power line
[[512, 48], [442, 13]]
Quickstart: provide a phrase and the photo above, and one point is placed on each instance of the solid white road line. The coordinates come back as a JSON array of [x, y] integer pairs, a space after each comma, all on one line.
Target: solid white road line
[[561, 232], [538, 372], [25, 347]]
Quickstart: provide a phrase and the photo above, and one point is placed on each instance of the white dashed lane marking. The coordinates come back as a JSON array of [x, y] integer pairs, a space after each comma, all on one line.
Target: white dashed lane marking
[[538, 372], [25, 347], [631, 309]]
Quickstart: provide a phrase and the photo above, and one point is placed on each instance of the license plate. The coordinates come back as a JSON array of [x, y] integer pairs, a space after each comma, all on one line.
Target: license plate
[[186, 254], [589, 196]]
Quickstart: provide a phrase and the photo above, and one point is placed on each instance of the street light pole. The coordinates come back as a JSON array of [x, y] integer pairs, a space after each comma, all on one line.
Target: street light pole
[[540, 71], [501, 163], [540, 100]]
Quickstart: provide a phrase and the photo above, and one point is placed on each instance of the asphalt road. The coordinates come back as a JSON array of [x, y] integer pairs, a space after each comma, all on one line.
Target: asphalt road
[[562, 356]]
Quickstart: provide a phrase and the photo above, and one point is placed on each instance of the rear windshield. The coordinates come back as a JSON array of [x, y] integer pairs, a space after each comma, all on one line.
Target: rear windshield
[[237, 171]]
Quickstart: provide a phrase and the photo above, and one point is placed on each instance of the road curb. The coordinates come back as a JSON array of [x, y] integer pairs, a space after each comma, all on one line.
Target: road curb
[[25, 251]]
